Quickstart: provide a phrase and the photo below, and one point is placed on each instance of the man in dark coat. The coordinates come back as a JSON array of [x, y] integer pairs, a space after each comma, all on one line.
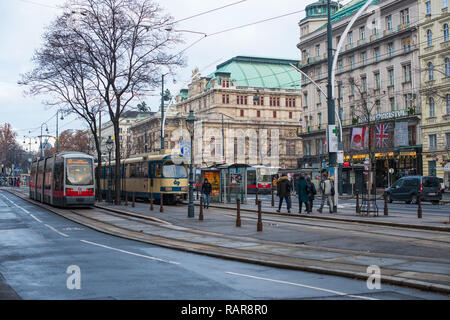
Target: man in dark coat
[[302, 194], [206, 191], [311, 189], [284, 189]]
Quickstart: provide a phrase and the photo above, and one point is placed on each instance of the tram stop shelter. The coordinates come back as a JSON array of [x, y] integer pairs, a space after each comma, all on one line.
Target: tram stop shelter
[[229, 182]]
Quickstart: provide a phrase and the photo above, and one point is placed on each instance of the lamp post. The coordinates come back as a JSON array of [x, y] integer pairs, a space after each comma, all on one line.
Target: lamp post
[[57, 137], [46, 129], [165, 96], [190, 120], [109, 147]]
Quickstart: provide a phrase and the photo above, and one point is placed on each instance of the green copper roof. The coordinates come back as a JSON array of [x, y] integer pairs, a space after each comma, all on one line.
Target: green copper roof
[[259, 72], [348, 10]]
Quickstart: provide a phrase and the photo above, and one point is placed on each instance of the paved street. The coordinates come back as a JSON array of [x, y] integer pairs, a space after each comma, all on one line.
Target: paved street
[[37, 247]]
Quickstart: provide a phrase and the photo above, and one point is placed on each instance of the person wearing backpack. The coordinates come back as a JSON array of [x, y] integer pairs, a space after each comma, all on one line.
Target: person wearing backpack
[[326, 188], [284, 189]]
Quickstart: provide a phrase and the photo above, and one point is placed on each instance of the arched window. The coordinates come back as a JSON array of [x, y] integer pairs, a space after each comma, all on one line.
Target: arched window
[[447, 67], [431, 105], [446, 35], [429, 38], [430, 71]]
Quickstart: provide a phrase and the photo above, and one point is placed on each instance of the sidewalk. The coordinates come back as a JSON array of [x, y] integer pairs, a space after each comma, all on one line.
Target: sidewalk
[[305, 244], [348, 214]]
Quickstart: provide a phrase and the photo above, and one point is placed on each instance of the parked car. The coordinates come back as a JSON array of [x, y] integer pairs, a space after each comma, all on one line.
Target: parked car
[[410, 187]]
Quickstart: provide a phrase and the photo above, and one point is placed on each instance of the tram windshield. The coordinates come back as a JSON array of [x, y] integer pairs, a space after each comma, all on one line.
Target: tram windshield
[[174, 171], [79, 172], [265, 174]]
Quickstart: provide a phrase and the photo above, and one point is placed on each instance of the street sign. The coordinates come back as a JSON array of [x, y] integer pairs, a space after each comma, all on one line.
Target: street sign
[[340, 157], [333, 140], [352, 177], [185, 150]]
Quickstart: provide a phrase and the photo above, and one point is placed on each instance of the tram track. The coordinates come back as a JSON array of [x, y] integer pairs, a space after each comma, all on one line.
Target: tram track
[[299, 245], [261, 253]]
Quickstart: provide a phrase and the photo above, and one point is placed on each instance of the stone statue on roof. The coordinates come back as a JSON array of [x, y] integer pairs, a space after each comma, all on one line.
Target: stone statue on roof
[[196, 73]]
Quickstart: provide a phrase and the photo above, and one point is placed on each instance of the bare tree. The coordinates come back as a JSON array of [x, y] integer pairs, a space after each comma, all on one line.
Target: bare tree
[[122, 46], [68, 83], [366, 110]]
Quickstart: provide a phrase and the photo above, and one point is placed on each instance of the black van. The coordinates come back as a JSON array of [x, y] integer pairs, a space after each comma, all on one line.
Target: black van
[[408, 188]]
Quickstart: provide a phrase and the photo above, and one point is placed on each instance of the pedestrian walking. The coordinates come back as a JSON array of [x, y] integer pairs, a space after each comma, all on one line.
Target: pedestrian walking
[[326, 186], [284, 189], [302, 193], [311, 189], [206, 191]]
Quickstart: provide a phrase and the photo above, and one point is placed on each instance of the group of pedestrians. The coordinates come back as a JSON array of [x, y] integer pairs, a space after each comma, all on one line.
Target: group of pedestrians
[[304, 188], [306, 191]]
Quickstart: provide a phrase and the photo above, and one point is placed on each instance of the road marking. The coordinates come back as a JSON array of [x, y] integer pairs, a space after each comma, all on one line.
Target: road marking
[[24, 210], [302, 285], [35, 218], [50, 227], [128, 252]]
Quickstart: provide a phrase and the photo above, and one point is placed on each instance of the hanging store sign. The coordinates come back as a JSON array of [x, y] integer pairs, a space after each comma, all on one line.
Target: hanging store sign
[[385, 116]]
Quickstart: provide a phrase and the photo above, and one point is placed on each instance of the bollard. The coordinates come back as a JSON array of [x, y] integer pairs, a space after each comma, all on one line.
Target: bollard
[[385, 204], [259, 227], [200, 216], [358, 209], [161, 200], [126, 198], [238, 209], [132, 203], [256, 198], [273, 198], [419, 207], [151, 201]]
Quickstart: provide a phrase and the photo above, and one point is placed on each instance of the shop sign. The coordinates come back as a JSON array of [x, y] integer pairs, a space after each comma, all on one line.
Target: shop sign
[[385, 116]]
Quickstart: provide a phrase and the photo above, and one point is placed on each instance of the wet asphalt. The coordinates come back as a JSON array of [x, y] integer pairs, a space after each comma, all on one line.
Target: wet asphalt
[[37, 248]]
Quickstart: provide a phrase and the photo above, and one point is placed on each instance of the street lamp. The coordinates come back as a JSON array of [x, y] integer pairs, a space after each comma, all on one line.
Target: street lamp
[[46, 129], [109, 147], [165, 96], [190, 120], [57, 138]]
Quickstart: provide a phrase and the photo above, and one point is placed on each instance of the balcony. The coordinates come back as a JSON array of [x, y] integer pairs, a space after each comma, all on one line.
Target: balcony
[[402, 26]]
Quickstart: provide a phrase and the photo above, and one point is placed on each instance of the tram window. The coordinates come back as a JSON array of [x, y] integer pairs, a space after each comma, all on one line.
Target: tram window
[[174, 171], [158, 170], [145, 170], [133, 173], [79, 172], [58, 176]]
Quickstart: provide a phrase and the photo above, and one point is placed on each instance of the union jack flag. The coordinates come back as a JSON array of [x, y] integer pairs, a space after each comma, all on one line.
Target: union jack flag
[[382, 136]]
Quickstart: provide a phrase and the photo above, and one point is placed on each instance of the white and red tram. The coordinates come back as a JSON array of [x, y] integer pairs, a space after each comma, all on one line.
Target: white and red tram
[[64, 180]]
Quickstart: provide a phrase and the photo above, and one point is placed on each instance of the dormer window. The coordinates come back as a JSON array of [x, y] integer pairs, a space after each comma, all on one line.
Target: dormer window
[[225, 83]]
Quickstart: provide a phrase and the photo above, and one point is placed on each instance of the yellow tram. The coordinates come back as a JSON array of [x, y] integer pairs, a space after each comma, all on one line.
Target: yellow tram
[[151, 174]]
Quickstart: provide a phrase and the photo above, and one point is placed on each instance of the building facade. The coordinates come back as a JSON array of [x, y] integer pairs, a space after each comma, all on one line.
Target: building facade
[[434, 22], [375, 79], [247, 110], [127, 119]]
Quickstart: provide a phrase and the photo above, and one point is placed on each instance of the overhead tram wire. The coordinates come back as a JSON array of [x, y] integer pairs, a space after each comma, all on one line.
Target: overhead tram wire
[[236, 28], [40, 4], [206, 12]]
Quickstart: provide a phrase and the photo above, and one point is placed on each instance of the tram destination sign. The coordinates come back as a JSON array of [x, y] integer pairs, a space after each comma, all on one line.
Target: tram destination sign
[[385, 116]]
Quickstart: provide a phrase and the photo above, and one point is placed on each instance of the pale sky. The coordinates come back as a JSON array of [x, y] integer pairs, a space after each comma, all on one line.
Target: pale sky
[[22, 24]]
